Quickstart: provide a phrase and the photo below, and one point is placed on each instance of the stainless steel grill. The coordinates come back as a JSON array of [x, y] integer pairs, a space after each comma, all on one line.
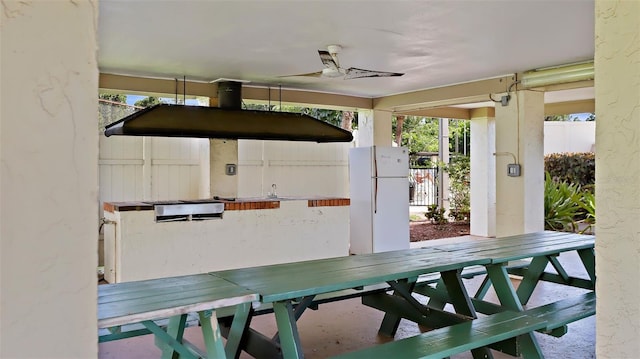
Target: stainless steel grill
[[185, 211]]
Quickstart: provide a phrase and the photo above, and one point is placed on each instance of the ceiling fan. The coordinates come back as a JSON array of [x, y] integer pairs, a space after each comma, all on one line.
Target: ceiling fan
[[332, 67]]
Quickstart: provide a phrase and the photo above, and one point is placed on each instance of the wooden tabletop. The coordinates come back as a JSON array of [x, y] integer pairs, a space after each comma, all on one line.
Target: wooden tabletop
[[299, 279], [504, 249], [132, 302]]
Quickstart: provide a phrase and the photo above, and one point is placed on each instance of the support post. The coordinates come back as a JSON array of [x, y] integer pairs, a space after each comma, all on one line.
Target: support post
[[520, 140], [483, 172]]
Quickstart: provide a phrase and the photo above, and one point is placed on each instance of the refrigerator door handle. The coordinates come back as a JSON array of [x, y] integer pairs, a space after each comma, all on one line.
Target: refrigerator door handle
[[375, 183]]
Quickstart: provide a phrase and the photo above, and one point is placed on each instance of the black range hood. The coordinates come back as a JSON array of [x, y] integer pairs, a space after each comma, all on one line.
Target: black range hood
[[228, 121]]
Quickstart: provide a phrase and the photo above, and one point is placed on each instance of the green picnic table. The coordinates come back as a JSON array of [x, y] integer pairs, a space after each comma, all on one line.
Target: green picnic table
[[290, 288], [146, 301], [283, 285], [542, 249]]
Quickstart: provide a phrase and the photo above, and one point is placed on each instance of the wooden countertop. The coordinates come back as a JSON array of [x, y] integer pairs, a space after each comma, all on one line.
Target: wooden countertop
[[237, 204]]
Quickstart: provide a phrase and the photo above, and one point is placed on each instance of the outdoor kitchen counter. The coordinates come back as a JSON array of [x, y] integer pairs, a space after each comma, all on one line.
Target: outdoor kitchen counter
[[231, 205], [250, 232]]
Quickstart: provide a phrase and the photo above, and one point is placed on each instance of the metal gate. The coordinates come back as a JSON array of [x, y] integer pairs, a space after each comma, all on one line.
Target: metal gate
[[423, 190]]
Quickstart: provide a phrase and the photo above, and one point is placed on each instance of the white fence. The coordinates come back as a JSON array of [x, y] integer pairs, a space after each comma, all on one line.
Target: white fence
[[158, 168], [569, 137]]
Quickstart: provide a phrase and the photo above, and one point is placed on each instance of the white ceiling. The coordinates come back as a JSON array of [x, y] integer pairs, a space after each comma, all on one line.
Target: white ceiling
[[434, 42]]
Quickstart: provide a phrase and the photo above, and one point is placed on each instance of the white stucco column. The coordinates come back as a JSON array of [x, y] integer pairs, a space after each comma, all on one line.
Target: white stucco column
[[48, 179], [221, 154], [520, 139], [483, 172], [443, 154], [617, 90], [374, 128]]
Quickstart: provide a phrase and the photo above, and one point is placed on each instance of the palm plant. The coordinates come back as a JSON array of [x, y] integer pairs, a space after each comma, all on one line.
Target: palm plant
[[561, 205]]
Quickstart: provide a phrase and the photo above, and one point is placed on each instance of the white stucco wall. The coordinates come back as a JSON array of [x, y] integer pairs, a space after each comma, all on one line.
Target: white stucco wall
[[617, 72], [49, 179]]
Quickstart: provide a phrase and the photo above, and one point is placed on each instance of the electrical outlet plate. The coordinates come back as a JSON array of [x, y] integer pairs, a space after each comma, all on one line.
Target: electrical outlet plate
[[513, 170], [230, 169]]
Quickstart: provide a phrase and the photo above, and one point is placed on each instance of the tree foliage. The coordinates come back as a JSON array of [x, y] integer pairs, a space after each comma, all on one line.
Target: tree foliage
[[147, 102], [459, 170], [333, 117], [112, 108], [419, 134], [460, 136], [569, 118]]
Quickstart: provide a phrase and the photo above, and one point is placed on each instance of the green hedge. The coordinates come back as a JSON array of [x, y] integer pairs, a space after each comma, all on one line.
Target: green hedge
[[577, 168]]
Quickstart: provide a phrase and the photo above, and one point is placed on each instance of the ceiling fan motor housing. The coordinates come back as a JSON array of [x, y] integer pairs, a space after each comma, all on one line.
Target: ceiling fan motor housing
[[330, 72]]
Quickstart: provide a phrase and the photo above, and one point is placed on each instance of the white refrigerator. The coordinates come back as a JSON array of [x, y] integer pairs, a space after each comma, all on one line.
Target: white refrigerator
[[379, 192]]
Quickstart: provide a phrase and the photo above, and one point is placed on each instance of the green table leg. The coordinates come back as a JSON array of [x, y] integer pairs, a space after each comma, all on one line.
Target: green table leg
[[531, 278], [211, 334], [484, 288], [589, 260], [390, 322], [175, 329], [509, 299], [559, 268], [238, 330], [437, 303], [174, 343], [462, 304], [288, 330]]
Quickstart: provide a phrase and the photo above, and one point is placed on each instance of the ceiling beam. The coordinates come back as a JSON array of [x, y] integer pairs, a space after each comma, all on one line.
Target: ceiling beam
[[470, 92], [309, 98], [566, 108], [439, 112], [154, 86], [151, 86]]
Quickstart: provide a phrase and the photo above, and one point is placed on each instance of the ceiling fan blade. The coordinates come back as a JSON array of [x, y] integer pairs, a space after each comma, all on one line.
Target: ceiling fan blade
[[356, 73], [327, 60], [310, 74]]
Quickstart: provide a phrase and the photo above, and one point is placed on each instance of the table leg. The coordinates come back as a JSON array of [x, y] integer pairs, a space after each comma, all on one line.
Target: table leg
[[288, 330], [211, 334], [509, 299], [531, 278], [434, 302], [175, 329], [390, 322], [462, 304], [172, 339], [484, 288], [589, 261], [238, 330]]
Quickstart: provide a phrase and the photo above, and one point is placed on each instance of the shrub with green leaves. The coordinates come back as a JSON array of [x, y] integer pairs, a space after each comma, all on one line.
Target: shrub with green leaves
[[459, 170], [561, 204], [567, 206], [436, 215], [578, 168]]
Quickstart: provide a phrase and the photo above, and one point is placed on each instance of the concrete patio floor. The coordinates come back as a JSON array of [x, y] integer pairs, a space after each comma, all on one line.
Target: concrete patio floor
[[348, 325]]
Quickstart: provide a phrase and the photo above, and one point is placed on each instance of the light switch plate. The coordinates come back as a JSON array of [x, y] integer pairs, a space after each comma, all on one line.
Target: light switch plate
[[513, 170], [230, 169]]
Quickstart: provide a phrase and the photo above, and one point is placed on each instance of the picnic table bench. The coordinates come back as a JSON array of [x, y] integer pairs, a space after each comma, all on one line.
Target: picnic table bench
[[455, 339]]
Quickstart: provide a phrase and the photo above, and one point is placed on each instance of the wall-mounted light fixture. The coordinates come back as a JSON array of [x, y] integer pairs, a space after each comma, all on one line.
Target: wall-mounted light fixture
[[557, 75]]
